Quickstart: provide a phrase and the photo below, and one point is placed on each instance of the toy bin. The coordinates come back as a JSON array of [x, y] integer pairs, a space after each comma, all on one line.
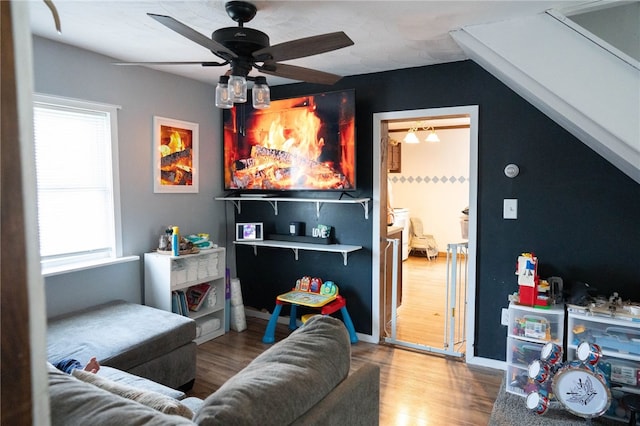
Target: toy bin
[[518, 382], [521, 352], [535, 324], [611, 338]]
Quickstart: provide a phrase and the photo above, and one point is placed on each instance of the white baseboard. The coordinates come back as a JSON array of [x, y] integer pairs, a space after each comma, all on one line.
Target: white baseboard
[[487, 362]]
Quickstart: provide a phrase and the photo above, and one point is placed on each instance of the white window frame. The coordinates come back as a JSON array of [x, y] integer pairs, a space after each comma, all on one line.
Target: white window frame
[[84, 261]]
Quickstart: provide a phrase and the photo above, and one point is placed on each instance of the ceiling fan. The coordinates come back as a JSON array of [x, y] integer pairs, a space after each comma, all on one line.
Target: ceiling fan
[[245, 48]]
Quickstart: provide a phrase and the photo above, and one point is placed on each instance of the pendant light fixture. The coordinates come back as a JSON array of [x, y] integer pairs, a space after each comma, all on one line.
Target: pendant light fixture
[[238, 88], [412, 136], [233, 90], [260, 94], [223, 97], [432, 136]]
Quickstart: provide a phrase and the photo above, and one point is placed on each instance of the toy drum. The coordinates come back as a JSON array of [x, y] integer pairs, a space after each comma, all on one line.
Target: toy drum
[[589, 353], [596, 370], [581, 391], [538, 371], [537, 403], [551, 353]]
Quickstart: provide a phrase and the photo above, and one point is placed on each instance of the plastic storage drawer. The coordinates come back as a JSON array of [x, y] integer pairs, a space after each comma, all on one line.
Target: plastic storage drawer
[[518, 381], [536, 324], [613, 338], [522, 352]]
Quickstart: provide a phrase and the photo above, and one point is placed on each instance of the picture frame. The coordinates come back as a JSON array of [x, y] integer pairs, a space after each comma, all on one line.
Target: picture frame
[[249, 231], [175, 156]]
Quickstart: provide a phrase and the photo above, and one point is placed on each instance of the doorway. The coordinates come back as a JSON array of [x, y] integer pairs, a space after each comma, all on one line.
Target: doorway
[[456, 262]]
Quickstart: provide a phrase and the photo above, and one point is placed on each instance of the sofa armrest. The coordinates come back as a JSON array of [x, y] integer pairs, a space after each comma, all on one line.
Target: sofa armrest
[[354, 402], [286, 380]]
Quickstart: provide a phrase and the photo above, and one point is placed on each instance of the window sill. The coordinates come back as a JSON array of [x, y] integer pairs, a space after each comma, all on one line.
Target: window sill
[[65, 269]]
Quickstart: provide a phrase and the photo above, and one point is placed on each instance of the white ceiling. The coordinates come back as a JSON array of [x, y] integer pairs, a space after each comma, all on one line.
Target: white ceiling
[[387, 34]]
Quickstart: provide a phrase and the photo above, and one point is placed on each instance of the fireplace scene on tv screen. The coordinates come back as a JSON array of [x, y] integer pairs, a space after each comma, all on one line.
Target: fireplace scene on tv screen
[[302, 143]]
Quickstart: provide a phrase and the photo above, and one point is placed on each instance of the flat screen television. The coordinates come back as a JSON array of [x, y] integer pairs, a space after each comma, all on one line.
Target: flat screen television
[[297, 144]]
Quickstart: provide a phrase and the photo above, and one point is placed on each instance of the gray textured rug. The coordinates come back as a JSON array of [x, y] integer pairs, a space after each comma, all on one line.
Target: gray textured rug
[[509, 410]]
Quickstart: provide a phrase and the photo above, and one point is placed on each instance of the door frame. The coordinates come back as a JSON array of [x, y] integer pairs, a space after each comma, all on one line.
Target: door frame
[[380, 136]]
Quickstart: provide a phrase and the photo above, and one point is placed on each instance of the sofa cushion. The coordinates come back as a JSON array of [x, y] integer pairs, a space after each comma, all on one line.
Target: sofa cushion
[[286, 380], [152, 399], [119, 334], [125, 378], [74, 402]]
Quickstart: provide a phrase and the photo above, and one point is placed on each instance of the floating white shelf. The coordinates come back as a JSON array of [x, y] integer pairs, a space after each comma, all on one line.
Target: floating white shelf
[[334, 248], [237, 202]]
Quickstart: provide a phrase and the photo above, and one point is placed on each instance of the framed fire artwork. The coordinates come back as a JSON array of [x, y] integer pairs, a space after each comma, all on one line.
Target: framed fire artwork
[[175, 164]]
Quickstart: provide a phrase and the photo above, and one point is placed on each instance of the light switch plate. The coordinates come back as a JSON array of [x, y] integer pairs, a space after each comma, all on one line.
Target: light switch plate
[[510, 209]]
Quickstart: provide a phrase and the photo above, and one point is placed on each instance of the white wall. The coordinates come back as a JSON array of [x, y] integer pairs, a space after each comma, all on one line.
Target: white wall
[[434, 183], [68, 71]]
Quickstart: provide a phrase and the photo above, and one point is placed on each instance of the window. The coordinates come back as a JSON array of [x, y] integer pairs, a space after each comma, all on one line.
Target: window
[[76, 150]]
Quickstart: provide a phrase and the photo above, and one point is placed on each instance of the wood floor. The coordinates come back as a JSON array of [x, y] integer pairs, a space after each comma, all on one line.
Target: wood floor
[[422, 316], [415, 388]]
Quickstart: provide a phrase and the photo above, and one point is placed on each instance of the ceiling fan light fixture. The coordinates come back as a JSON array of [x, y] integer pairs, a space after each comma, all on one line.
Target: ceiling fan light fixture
[[261, 94], [238, 88], [223, 96]]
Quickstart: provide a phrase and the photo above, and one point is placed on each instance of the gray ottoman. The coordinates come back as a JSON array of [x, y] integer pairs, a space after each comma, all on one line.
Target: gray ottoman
[[139, 339]]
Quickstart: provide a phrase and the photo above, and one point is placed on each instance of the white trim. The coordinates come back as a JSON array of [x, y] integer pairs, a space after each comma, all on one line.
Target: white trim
[[378, 118], [74, 267], [593, 38], [74, 103], [489, 363], [112, 110]]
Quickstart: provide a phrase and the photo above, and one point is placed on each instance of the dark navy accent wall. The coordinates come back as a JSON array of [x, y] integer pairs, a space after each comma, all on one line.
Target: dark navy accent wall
[[576, 212]]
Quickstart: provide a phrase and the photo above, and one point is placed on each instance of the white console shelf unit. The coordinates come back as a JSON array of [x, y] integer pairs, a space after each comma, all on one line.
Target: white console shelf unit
[[334, 248], [164, 273], [237, 202]]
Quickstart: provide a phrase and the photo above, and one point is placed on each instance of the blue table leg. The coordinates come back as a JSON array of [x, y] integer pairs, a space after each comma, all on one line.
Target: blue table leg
[[270, 333], [292, 317], [349, 324]]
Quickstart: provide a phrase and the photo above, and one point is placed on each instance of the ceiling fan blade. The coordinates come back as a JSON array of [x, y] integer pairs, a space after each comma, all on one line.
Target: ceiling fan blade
[[302, 47], [298, 73], [194, 36], [203, 63]]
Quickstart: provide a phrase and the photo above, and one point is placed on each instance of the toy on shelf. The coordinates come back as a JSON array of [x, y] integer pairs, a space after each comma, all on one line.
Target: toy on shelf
[[531, 290]]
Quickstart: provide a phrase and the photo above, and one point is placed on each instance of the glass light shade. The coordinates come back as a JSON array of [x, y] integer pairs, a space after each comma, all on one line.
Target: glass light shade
[[261, 95], [223, 97], [411, 137], [238, 88], [432, 137]]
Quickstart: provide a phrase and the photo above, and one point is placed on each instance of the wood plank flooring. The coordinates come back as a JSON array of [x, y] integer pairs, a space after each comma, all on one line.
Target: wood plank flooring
[[415, 388], [422, 316]]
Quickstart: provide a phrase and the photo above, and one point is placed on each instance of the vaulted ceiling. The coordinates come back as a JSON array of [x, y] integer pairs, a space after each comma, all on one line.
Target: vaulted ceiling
[[387, 34]]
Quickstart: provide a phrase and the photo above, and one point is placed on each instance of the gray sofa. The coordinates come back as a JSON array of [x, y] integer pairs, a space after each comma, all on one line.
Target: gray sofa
[[301, 380], [141, 340]]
